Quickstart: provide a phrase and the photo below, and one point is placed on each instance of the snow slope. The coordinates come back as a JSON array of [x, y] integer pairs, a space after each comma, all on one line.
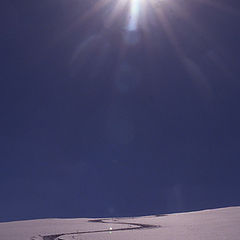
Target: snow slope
[[217, 224]]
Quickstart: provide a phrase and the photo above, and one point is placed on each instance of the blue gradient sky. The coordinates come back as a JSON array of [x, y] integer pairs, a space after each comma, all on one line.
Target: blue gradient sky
[[97, 120]]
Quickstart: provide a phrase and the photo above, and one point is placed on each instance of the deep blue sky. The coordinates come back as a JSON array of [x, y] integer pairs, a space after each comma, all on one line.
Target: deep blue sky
[[93, 125]]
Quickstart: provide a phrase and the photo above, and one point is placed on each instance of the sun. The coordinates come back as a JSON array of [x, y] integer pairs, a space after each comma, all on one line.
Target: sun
[[134, 14]]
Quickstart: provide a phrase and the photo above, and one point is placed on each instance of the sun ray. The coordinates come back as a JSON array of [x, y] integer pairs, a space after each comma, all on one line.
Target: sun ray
[[96, 7], [167, 28], [118, 9]]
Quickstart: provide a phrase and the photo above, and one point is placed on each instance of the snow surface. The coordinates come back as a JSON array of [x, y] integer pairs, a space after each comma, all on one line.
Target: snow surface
[[217, 224]]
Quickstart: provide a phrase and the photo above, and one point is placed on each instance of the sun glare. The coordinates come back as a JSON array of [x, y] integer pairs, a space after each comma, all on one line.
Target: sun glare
[[134, 15]]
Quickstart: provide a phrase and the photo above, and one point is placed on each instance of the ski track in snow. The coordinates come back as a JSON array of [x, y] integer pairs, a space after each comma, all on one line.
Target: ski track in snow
[[131, 227]]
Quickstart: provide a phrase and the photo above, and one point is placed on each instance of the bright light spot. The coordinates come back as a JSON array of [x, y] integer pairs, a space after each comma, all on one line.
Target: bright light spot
[[134, 15], [110, 228]]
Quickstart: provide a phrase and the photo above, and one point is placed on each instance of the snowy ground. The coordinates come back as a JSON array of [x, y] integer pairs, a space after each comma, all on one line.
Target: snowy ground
[[217, 224]]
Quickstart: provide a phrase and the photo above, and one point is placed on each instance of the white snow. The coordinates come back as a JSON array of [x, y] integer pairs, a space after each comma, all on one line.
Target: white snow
[[216, 224]]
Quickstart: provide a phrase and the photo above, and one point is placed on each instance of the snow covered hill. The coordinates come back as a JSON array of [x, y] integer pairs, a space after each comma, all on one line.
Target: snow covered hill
[[217, 224]]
